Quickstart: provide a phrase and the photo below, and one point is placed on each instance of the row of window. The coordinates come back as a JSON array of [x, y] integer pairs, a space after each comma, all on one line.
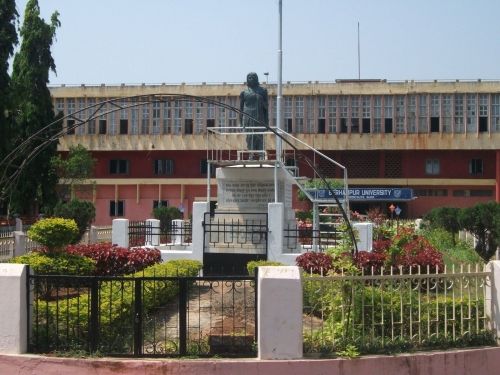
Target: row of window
[[161, 167], [433, 167], [165, 167], [455, 193], [414, 113], [117, 208]]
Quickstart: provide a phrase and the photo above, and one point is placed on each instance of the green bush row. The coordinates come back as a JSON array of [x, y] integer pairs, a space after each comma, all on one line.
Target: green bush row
[[64, 323], [379, 319]]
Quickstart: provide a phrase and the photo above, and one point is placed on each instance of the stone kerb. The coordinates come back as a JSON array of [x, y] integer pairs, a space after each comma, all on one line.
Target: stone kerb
[[279, 313], [13, 309]]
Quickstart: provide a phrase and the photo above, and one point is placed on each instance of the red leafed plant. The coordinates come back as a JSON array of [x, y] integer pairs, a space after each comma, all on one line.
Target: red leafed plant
[[369, 261], [419, 252], [381, 246], [313, 262], [114, 260]]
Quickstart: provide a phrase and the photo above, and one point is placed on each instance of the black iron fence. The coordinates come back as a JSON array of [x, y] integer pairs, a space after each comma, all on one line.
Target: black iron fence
[[143, 316], [297, 237], [143, 233], [243, 232]]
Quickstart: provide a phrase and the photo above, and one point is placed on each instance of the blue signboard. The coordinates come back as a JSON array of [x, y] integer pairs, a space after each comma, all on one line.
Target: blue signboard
[[366, 194]]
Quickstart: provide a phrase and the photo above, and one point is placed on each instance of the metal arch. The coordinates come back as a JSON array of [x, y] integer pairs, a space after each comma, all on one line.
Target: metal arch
[[7, 181]]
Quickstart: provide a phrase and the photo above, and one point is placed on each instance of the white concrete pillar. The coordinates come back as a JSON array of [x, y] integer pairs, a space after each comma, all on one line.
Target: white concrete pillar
[[275, 219], [279, 309], [198, 235], [178, 231], [14, 322], [119, 233], [365, 236], [153, 232], [93, 235], [492, 302], [19, 225], [19, 243]]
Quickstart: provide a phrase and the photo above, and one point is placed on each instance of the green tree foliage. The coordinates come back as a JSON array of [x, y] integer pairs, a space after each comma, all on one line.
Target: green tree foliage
[[54, 233], [31, 98], [166, 215], [73, 170], [8, 39], [446, 218], [82, 212], [483, 221]]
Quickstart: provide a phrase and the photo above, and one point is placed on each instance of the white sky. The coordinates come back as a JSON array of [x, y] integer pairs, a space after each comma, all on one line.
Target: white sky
[[172, 41]]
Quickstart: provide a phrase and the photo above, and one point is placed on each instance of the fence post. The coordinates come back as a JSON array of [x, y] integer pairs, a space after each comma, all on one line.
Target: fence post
[[92, 235], [198, 234], [138, 339], [19, 225], [94, 316], [14, 308], [19, 243], [183, 297], [153, 233], [119, 233], [276, 228], [279, 317], [492, 298], [178, 232]]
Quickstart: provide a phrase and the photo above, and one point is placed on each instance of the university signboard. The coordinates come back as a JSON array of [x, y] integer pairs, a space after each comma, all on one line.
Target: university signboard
[[366, 194]]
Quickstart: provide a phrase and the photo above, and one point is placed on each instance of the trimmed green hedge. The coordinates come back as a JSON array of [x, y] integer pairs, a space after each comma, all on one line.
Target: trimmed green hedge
[[116, 310], [56, 263]]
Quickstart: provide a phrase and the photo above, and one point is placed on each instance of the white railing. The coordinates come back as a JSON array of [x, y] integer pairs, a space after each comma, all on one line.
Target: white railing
[[104, 234], [379, 311]]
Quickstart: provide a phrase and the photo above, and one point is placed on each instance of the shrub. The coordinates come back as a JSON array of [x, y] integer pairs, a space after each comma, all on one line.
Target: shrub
[[83, 212], [54, 233], [166, 215], [56, 263], [420, 253], [381, 246], [114, 260], [312, 262], [369, 262], [252, 265], [116, 308]]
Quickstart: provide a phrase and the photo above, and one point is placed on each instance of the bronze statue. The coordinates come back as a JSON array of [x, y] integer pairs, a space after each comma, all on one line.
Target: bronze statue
[[253, 102]]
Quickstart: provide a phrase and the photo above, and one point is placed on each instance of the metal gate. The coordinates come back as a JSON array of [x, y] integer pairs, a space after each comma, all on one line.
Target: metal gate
[[231, 240], [143, 316]]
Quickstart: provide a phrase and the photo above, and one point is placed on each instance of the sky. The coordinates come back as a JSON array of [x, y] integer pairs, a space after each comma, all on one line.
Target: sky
[[213, 41]]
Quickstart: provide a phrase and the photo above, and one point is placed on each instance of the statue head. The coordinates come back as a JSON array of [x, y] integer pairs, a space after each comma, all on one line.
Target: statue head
[[252, 79]]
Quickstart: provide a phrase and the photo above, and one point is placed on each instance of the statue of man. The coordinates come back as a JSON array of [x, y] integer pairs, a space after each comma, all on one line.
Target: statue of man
[[253, 102]]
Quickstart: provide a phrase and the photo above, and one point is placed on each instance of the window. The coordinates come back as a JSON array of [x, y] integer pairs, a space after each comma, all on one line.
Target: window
[[476, 167], [91, 127], [116, 208], [157, 204], [188, 126], [117, 166], [102, 127], [163, 167], [123, 126], [431, 192], [70, 126], [432, 166], [204, 168]]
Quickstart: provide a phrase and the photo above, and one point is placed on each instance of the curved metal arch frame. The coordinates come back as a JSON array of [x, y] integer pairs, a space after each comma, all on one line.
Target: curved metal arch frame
[[8, 181]]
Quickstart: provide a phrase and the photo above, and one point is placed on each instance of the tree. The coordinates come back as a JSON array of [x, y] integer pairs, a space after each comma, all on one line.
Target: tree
[[8, 39], [75, 169], [483, 221], [166, 215], [82, 212], [446, 218], [30, 75]]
